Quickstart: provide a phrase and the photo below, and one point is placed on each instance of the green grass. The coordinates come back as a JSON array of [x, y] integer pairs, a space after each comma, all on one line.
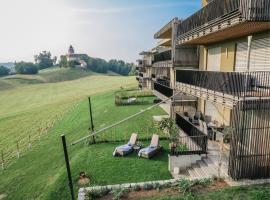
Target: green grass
[[40, 173], [261, 192], [26, 109]]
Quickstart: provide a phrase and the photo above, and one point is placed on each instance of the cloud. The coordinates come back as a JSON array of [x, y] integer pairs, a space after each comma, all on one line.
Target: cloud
[[115, 10]]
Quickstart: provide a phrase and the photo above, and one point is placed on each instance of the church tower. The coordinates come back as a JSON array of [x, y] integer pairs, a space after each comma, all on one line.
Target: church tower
[[71, 50]]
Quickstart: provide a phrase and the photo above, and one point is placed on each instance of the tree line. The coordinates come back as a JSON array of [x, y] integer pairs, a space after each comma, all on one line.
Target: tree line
[[102, 66], [45, 60]]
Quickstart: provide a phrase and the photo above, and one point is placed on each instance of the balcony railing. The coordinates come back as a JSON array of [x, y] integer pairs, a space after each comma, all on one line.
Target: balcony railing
[[194, 143], [166, 91], [186, 56], [251, 10], [163, 56], [141, 74], [237, 84]]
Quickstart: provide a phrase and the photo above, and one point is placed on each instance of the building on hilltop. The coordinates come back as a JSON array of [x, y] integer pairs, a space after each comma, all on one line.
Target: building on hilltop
[[79, 58]]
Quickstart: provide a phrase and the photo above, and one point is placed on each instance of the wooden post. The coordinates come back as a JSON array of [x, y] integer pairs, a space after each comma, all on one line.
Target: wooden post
[[91, 118], [68, 166], [18, 150], [29, 141], [2, 156]]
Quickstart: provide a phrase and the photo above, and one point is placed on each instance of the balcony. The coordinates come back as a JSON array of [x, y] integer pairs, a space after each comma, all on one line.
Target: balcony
[[163, 91], [163, 59], [186, 56], [224, 87], [220, 20], [194, 141]]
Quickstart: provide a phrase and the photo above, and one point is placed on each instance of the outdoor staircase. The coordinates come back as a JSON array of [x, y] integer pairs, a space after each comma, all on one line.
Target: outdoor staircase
[[204, 168]]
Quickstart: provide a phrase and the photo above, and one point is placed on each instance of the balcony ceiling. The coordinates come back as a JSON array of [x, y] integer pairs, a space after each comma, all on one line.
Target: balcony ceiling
[[165, 43], [232, 32]]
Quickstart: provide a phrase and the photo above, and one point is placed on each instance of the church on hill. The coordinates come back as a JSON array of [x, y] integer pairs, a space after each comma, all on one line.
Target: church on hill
[[79, 58]]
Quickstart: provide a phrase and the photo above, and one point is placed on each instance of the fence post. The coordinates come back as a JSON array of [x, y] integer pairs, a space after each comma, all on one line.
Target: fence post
[[18, 150], [2, 156], [91, 118], [67, 166], [29, 141]]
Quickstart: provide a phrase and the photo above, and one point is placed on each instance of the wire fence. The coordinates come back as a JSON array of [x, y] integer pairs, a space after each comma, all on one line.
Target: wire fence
[[9, 154]]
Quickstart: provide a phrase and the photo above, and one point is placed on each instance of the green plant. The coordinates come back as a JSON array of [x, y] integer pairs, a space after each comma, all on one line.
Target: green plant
[[156, 186], [119, 193], [184, 185], [167, 125], [147, 186], [98, 193], [136, 188]]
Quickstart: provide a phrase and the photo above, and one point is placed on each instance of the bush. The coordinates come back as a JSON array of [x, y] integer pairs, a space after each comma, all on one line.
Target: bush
[[147, 186], [136, 188], [4, 71], [98, 193], [117, 194], [26, 68]]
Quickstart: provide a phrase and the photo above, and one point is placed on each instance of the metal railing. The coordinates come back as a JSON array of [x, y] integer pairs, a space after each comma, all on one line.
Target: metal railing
[[251, 10], [239, 84], [197, 142], [188, 145], [165, 90], [163, 56]]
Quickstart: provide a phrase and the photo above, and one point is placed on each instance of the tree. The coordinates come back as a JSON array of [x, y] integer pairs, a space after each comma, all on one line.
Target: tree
[[63, 61], [72, 64], [168, 125], [44, 60], [4, 71], [26, 68]]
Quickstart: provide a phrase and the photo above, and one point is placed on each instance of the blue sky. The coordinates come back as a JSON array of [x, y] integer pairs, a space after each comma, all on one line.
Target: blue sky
[[101, 28]]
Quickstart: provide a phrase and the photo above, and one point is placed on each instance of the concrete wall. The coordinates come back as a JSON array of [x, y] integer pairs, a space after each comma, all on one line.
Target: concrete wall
[[182, 162]]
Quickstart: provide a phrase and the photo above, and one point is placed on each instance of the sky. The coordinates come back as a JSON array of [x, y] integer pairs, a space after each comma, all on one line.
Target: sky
[[109, 29]]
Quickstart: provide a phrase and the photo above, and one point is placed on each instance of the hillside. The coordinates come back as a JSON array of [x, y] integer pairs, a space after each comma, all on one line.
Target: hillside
[[32, 110], [50, 75]]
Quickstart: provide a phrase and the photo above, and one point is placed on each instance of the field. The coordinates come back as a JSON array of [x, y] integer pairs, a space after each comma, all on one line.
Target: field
[[40, 172], [32, 109]]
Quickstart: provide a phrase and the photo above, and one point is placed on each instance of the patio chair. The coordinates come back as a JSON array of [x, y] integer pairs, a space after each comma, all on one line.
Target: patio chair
[[127, 148], [151, 150]]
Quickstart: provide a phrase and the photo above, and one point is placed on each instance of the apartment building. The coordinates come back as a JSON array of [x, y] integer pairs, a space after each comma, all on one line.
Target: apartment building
[[220, 57]]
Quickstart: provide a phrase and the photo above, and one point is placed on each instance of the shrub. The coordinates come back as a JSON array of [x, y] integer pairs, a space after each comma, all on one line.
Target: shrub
[[98, 193], [4, 71], [184, 185], [117, 194], [26, 68], [136, 188], [147, 186]]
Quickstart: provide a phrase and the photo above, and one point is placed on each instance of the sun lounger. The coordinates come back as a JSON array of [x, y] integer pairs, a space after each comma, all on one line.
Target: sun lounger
[[127, 148], [151, 150]]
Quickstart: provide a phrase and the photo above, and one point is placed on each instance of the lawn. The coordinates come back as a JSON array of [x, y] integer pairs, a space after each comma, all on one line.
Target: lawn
[[33, 109], [40, 173]]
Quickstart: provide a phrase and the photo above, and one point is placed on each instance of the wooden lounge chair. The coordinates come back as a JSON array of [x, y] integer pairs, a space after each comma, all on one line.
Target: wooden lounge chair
[[151, 150], [127, 148]]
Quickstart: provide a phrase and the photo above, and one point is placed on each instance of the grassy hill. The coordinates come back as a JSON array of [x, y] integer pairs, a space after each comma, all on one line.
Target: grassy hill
[[32, 109], [50, 109], [50, 75]]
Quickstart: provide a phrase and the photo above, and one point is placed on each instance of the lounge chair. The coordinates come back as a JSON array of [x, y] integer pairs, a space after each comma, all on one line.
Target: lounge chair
[[127, 148], [151, 150]]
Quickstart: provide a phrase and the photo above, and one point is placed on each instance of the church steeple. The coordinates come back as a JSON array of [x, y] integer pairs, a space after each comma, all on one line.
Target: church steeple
[[71, 50]]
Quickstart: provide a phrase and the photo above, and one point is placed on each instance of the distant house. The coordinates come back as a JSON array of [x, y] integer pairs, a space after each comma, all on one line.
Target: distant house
[[79, 58]]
